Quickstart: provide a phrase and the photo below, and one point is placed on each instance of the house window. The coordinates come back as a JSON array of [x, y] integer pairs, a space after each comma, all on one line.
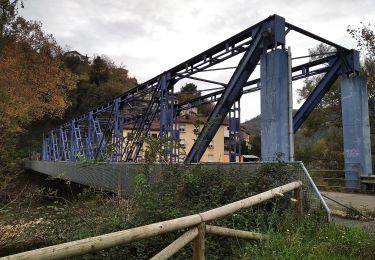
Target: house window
[[182, 143], [211, 145], [210, 158], [154, 135], [182, 127]]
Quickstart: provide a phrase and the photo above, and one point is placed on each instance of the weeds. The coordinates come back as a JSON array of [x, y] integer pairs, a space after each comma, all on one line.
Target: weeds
[[311, 239]]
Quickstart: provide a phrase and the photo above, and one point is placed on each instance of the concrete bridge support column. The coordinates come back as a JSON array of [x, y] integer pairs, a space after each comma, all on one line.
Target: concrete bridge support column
[[274, 106], [356, 130]]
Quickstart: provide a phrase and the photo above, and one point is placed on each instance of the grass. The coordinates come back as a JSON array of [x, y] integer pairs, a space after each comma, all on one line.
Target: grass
[[311, 239]]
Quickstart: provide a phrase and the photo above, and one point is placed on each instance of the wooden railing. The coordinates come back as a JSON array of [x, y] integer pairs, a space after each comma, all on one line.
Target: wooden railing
[[196, 224]]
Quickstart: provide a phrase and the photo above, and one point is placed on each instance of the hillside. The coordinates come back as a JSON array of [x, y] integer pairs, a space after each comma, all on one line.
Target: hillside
[[252, 125]]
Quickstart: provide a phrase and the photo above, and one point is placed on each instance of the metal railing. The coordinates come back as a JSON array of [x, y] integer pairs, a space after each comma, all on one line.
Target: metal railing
[[195, 223]]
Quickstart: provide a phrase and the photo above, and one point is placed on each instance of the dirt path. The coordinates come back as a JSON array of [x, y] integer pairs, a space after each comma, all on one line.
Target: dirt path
[[358, 201], [361, 202]]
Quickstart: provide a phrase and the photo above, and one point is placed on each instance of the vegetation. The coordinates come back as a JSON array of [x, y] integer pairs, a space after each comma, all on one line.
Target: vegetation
[[40, 87], [59, 211], [33, 84], [190, 91], [311, 239]]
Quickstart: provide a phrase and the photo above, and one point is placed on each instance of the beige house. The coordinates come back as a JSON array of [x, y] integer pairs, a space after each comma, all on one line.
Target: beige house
[[218, 149]]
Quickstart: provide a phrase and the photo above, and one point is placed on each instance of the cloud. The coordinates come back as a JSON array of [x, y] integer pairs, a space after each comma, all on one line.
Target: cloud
[[152, 36]]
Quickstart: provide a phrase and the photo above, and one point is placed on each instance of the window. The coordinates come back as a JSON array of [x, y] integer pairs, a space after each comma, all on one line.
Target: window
[[210, 158], [226, 144], [182, 143], [211, 145], [154, 135], [182, 127]]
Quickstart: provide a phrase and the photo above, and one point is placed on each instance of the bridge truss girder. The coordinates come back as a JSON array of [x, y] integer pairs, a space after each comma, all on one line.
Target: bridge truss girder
[[99, 133]]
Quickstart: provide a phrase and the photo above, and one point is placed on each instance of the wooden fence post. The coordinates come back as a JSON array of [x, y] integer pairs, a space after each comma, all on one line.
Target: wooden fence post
[[198, 251], [298, 210]]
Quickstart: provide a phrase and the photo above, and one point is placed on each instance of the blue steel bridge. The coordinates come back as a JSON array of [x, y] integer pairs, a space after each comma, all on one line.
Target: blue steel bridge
[[263, 45]]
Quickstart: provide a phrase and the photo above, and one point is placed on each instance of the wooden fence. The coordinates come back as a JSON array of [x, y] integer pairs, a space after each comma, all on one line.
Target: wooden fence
[[196, 233]]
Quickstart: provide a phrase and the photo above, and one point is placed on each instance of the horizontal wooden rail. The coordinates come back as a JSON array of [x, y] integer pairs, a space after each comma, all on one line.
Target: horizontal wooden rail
[[175, 246], [229, 232], [93, 244]]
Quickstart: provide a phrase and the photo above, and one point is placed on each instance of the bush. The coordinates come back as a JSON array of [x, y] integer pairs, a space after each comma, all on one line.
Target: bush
[[182, 191]]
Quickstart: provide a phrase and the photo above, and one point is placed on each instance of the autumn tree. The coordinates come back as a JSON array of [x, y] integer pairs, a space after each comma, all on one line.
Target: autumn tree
[[365, 38], [34, 84]]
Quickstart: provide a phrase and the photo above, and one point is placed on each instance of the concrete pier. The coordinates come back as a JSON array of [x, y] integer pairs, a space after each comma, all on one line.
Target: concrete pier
[[356, 130], [274, 106]]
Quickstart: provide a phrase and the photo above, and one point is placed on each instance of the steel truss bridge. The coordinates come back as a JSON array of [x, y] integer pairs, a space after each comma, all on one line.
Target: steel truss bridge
[[100, 131]]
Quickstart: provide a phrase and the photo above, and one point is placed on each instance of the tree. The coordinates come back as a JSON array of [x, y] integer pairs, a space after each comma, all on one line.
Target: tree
[[34, 84], [319, 141], [190, 91], [365, 37], [99, 83]]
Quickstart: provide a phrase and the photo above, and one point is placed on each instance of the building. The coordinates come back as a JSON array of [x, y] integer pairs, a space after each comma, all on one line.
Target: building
[[218, 149], [82, 58]]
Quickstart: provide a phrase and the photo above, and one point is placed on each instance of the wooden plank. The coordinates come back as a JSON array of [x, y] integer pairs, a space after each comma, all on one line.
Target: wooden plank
[[229, 232], [176, 245]]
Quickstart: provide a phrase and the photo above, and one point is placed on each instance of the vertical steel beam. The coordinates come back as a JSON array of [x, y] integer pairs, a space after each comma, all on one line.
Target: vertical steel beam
[[45, 148], [63, 144], [356, 130], [165, 116], [235, 133], [90, 139], [168, 129], [54, 146], [73, 145], [118, 129], [274, 106], [76, 140]]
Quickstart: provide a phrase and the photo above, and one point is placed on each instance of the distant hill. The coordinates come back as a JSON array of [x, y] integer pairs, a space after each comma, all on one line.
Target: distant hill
[[253, 125]]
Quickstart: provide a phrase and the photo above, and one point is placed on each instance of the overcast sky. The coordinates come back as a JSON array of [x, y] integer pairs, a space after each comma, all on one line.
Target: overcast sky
[[151, 36]]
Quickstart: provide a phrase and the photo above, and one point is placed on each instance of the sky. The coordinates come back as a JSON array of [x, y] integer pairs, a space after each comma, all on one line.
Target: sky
[[150, 36]]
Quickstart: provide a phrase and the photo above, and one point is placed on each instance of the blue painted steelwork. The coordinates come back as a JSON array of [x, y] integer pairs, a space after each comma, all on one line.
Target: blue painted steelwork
[[45, 154], [356, 130], [235, 133], [77, 147], [274, 106], [54, 146], [64, 148], [338, 64], [265, 36], [118, 129], [101, 130]]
